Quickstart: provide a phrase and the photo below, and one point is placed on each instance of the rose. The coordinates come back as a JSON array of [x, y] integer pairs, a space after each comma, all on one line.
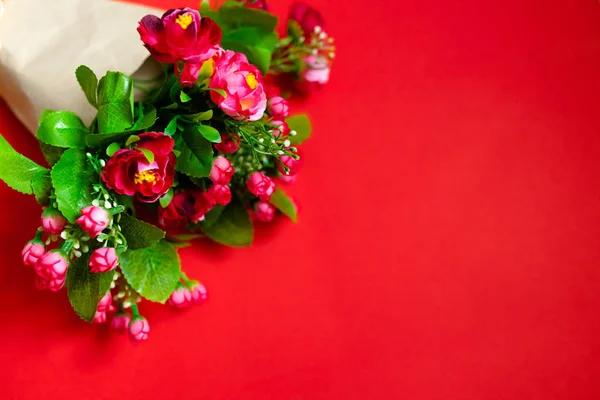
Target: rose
[[180, 298], [187, 206], [222, 171], [307, 17], [119, 322], [221, 194], [180, 34], [229, 143], [128, 171], [103, 259], [261, 186], [189, 75], [278, 107], [264, 211], [242, 83], [32, 252], [199, 294], [138, 329], [314, 75], [93, 220], [291, 164], [52, 221], [51, 270]]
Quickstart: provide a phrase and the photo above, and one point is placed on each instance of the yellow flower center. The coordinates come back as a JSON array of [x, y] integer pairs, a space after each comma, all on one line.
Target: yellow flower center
[[185, 20], [251, 81], [148, 176]]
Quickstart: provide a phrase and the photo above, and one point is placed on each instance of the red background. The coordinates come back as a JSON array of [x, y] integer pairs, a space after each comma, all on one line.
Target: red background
[[447, 246]]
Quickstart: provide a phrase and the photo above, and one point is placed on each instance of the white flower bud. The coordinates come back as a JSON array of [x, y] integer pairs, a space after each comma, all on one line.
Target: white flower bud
[[96, 203], [293, 133], [103, 163], [287, 143]]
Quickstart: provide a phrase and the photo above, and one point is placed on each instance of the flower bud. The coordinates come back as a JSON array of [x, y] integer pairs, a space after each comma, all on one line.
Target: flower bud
[[180, 298], [103, 260], [229, 143], [291, 163], [199, 294], [99, 317], [138, 329], [105, 302], [278, 107], [53, 265], [93, 220], [264, 212], [32, 252], [120, 322], [52, 221], [220, 193], [261, 186], [222, 171]]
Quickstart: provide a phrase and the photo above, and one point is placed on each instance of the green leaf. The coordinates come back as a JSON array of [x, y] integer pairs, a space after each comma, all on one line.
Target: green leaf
[[139, 234], [51, 153], [209, 133], [283, 203], [146, 118], [206, 71], [115, 103], [148, 154], [232, 228], [41, 184], [220, 91], [258, 45], [62, 129], [212, 216], [203, 116], [184, 97], [88, 82], [294, 29], [72, 179], [232, 17], [112, 149], [301, 124], [172, 126], [85, 288], [153, 271], [132, 139], [196, 158], [95, 140], [16, 170], [166, 199]]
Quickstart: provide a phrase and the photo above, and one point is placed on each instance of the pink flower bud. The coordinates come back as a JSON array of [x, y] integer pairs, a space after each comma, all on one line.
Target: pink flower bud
[[261, 186], [53, 265], [282, 128], [180, 298], [99, 317], [264, 212], [229, 143], [288, 179], [33, 250], [278, 107], [41, 283], [119, 322], [221, 194], [291, 163], [138, 329], [56, 284], [222, 171], [105, 302], [52, 221], [103, 259], [199, 294], [93, 220]]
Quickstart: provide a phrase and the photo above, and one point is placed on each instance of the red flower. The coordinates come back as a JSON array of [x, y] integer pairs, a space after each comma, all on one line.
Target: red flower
[[188, 206], [128, 172], [229, 143], [307, 17], [180, 35]]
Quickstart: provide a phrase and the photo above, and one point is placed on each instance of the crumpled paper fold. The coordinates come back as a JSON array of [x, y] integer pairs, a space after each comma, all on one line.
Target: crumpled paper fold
[[42, 42]]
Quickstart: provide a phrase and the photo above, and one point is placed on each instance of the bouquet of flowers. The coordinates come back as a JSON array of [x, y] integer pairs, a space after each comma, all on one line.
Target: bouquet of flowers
[[203, 154]]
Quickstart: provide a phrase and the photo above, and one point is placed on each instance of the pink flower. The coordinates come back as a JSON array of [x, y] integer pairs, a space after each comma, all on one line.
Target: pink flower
[[103, 259], [307, 17], [99, 317], [120, 322], [52, 268], [180, 297], [291, 163], [222, 171], [229, 143], [278, 107], [242, 82], [264, 212], [138, 329], [52, 221], [314, 75], [189, 75], [282, 128], [105, 302], [32, 252], [261, 186], [180, 34], [288, 179], [93, 220], [221, 194], [199, 294]]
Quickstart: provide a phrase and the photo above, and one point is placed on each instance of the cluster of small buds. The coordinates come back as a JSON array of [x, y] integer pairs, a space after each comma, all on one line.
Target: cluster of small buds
[[320, 43], [188, 293]]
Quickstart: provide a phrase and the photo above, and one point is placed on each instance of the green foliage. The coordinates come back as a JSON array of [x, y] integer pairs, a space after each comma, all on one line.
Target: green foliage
[[301, 124], [51, 153], [85, 288], [255, 43], [148, 154], [233, 227], [41, 185], [62, 129], [112, 149], [17, 170], [146, 118], [94, 140], [72, 179], [172, 126], [196, 158], [139, 234], [88, 82], [199, 117], [115, 103], [283, 203], [166, 199], [153, 271], [209, 133]]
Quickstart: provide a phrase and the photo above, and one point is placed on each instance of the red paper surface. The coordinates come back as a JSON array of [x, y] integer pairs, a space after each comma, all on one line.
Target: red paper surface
[[447, 245]]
